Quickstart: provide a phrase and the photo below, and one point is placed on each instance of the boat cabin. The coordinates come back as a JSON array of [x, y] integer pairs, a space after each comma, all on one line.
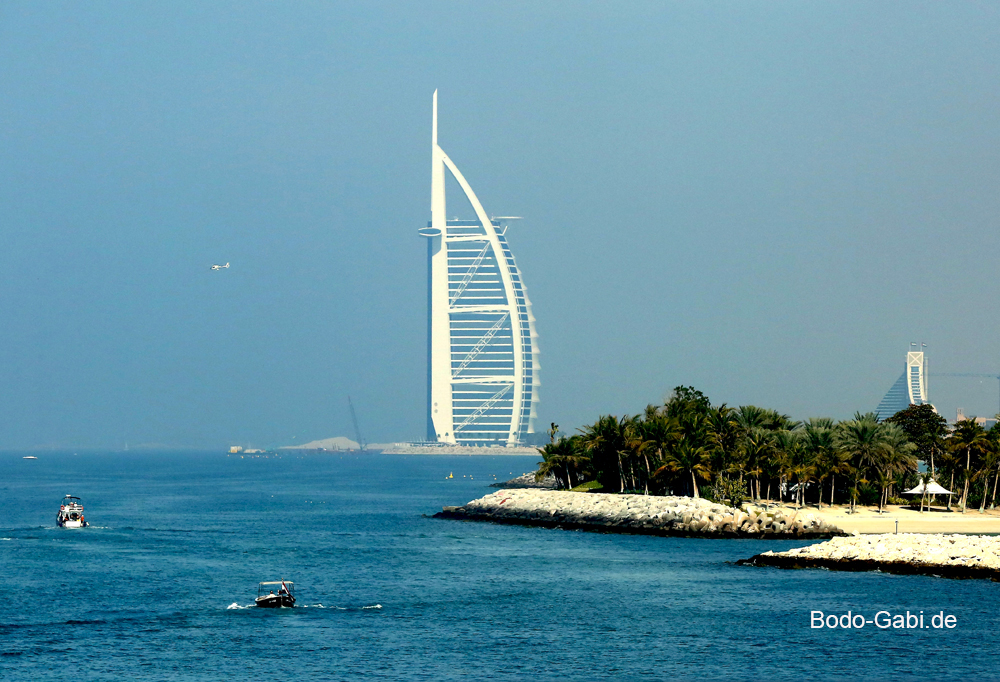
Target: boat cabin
[[71, 513], [275, 593]]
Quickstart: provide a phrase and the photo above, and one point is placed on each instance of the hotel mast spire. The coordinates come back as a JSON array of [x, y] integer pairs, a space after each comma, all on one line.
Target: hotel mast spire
[[438, 215]]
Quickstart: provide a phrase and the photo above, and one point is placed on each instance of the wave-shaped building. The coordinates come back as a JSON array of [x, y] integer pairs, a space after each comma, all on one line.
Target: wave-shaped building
[[910, 388], [482, 348]]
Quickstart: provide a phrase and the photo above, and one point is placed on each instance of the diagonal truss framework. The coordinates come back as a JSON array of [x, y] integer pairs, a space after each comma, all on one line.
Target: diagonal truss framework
[[470, 274], [484, 407], [480, 345]]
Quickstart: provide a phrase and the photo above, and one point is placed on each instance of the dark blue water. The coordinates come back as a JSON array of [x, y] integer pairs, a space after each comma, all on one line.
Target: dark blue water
[[177, 539]]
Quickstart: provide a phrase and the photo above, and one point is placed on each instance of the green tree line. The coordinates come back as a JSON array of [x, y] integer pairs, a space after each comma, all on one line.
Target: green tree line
[[687, 446]]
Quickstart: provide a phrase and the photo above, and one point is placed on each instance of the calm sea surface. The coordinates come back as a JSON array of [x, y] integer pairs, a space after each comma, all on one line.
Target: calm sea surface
[[159, 587]]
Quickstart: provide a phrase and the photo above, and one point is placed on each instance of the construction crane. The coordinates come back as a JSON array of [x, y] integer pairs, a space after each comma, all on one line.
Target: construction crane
[[966, 374], [354, 420]]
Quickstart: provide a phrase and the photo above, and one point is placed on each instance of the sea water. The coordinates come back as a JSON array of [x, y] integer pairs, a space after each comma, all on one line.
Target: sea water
[[160, 587]]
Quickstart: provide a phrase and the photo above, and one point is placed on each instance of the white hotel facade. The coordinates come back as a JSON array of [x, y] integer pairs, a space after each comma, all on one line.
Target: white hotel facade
[[482, 348], [910, 388]]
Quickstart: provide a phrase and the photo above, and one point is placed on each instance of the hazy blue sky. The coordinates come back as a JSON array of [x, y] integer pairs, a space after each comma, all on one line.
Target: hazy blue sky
[[767, 201]]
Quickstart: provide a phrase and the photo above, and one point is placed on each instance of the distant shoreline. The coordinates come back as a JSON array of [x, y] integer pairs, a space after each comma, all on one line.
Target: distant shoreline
[[404, 449]]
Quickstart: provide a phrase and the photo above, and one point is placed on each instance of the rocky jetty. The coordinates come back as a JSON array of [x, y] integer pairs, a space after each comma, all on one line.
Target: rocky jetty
[[949, 556], [638, 514], [528, 481]]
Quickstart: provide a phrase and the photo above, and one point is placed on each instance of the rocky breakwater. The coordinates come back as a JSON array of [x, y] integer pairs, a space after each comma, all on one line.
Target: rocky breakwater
[[948, 556], [528, 481], [637, 514]]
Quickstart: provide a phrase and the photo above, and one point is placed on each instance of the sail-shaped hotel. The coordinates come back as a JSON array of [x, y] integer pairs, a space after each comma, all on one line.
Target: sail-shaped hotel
[[910, 388], [482, 352]]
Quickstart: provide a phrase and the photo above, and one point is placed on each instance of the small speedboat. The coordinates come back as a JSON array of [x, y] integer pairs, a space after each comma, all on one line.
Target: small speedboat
[[71, 513], [275, 594]]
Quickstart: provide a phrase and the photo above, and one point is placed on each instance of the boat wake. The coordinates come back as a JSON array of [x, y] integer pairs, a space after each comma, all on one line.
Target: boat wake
[[234, 605]]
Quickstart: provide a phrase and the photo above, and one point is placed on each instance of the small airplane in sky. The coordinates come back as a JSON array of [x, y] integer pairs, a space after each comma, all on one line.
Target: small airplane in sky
[[220, 267]]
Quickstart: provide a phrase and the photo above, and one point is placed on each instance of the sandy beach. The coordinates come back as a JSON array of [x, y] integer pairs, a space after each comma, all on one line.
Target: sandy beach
[[867, 519]]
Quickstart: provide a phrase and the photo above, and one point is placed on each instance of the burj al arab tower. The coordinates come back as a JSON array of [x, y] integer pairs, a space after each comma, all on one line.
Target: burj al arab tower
[[482, 353]]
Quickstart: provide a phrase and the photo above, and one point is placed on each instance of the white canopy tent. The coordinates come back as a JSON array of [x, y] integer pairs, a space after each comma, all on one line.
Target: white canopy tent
[[932, 489]]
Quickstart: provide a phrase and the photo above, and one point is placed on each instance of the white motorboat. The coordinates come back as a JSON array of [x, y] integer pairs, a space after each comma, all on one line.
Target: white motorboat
[[275, 594], [71, 513]]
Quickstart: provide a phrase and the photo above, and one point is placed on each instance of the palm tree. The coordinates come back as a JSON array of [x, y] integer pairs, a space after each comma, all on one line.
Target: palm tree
[[723, 432], [969, 437], [753, 424], [792, 460], [994, 434], [775, 421], [660, 432], [605, 441], [861, 440], [553, 464], [989, 461], [752, 417], [817, 439], [688, 457], [948, 463], [831, 463], [636, 453], [897, 458], [758, 447], [564, 459]]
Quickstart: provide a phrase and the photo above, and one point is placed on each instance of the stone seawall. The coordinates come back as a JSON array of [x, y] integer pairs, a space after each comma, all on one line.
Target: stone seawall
[[948, 556], [638, 514], [528, 481]]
